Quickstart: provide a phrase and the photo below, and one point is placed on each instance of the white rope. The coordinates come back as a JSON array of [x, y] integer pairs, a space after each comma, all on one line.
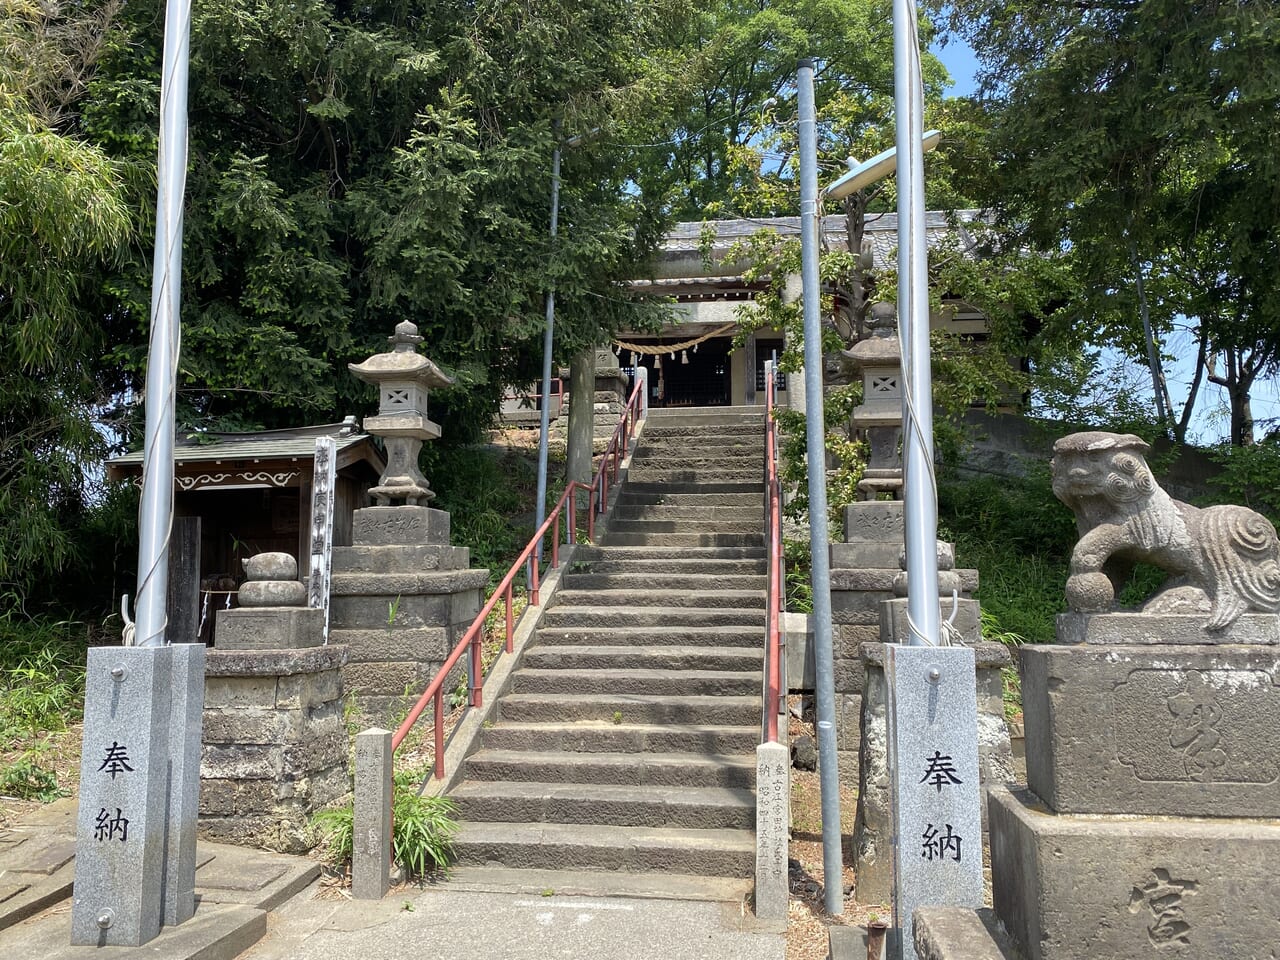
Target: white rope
[[656, 351]]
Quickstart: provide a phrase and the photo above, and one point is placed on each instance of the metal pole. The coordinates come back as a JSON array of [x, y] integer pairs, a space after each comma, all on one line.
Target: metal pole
[[540, 510], [815, 438], [155, 515], [920, 508]]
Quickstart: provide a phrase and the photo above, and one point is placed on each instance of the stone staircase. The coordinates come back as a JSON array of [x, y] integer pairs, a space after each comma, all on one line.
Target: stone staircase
[[625, 741]]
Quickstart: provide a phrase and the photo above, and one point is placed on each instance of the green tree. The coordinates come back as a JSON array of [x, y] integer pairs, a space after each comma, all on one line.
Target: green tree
[[1140, 137], [355, 165], [63, 219]]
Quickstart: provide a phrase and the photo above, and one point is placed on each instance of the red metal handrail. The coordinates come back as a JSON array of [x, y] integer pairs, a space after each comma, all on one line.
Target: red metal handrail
[[773, 692], [597, 502]]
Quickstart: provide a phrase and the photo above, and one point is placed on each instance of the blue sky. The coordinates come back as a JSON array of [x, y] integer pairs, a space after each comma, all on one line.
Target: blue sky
[[957, 56]]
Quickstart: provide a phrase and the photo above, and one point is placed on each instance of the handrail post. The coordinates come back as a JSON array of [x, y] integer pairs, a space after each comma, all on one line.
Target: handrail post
[[591, 514], [437, 706], [510, 618], [477, 675], [533, 587], [573, 514], [555, 543]]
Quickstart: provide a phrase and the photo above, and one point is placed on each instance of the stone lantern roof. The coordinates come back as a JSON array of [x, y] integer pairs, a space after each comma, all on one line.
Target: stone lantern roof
[[401, 362]]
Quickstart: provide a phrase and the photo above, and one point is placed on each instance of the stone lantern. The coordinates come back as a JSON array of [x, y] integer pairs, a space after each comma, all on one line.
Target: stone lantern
[[403, 378], [879, 360]]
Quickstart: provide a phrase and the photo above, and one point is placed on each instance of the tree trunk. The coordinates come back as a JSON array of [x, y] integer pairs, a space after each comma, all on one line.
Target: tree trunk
[[582, 399]]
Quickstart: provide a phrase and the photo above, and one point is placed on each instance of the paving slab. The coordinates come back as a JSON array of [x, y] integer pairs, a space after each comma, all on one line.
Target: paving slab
[[36, 870], [446, 923], [215, 932]]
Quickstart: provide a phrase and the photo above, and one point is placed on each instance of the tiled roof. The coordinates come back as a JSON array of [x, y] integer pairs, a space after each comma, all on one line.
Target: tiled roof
[[294, 444]]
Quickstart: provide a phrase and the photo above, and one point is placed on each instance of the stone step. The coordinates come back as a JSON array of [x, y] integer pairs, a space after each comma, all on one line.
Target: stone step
[[669, 599], [598, 883], [704, 808], [657, 448], [699, 526], [644, 657], [652, 617], [605, 736], [625, 708], [625, 539], [670, 416], [653, 579], [639, 681], [634, 496], [649, 769], [670, 566], [717, 853], [639, 486], [678, 511], [677, 472], [591, 554], [731, 635]]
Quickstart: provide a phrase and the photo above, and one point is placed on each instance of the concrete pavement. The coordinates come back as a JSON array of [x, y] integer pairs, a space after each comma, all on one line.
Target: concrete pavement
[[442, 924]]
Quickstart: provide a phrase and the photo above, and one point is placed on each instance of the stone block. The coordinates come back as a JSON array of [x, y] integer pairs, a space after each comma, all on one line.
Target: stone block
[[961, 582], [849, 674], [387, 678], [267, 665], [400, 643], [371, 838], [272, 593], [254, 761], [1165, 628], [968, 620], [848, 720], [865, 579], [396, 526], [239, 692], [858, 606], [390, 611], [797, 635], [1167, 730], [392, 559], [773, 830], [308, 691], [235, 798], [874, 520], [268, 628], [1083, 887], [392, 585], [865, 554], [849, 638], [956, 933]]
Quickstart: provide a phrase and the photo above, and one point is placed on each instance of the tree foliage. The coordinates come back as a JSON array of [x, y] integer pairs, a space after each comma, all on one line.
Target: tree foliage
[[1140, 138], [356, 165], [63, 218]]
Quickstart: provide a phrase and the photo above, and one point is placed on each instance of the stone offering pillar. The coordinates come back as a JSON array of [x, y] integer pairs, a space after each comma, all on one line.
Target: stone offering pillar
[[139, 777], [275, 745]]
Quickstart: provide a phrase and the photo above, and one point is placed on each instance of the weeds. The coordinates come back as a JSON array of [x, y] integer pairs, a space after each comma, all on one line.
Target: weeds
[[41, 678], [26, 779], [422, 832]]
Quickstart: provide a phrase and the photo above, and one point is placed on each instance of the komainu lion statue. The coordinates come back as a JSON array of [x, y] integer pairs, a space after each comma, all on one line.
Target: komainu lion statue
[[1222, 560]]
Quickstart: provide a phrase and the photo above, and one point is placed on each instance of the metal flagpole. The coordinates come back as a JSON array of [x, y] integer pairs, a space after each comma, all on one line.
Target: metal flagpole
[[816, 455], [920, 508], [155, 518], [548, 337]]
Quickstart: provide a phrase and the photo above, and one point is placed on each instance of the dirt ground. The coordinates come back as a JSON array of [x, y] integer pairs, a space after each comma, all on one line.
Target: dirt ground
[[808, 920]]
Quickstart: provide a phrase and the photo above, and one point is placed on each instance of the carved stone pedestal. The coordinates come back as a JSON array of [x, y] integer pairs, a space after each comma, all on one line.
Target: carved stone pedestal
[[401, 598], [1152, 822], [275, 746]]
